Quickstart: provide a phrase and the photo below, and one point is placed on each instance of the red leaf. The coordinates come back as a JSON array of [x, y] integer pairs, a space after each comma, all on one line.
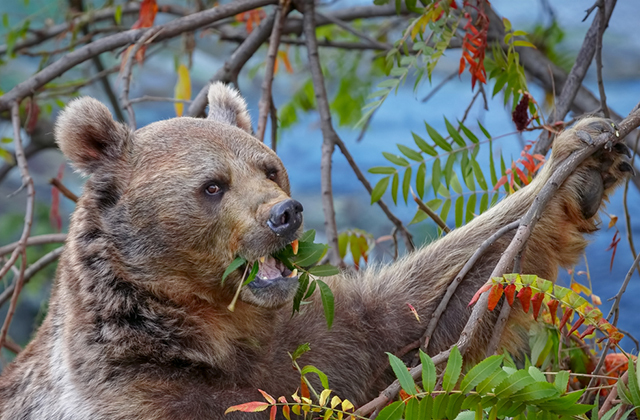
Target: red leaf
[[285, 408], [522, 176], [500, 183], [480, 291], [462, 65], [494, 296], [536, 301], [613, 246], [250, 407], [304, 389], [509, 293], [54, 213], [274, 411], [589, 330], [525, 298], [565, 318], [553, 308], [576, 325], [33, 112]]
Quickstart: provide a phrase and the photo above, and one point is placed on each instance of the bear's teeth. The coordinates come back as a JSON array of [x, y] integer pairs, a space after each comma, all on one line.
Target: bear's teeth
[[293, 273], [261, 259]]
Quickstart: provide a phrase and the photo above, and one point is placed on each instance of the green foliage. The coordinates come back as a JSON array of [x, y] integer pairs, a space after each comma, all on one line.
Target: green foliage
[[440, 157]]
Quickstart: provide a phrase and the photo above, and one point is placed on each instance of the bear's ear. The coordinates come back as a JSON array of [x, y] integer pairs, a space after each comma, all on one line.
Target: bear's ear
[[88, 136], [227, 106]]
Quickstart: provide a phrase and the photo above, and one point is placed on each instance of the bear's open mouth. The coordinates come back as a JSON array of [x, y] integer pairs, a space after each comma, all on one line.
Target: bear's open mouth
[[271, 270]]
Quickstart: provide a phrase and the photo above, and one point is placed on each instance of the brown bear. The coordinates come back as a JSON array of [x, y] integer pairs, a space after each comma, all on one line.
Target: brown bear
[[138, 325]]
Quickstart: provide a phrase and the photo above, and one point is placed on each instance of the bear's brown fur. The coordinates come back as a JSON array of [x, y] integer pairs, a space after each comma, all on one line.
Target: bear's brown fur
[[138, 326]]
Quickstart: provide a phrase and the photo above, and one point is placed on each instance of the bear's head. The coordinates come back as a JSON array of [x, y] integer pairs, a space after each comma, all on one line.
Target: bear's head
[[179, 200]]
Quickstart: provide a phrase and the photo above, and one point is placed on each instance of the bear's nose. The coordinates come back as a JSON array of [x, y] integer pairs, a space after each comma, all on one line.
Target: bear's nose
[[285, 218]]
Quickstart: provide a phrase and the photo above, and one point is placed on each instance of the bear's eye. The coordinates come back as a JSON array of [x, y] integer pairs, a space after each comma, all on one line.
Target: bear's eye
[[272, 175], [212, 189]]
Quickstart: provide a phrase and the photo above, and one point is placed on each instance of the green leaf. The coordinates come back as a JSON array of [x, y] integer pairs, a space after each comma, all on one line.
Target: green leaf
[[452, 372], [403, 375], [117, 16], [426, 408], [633, 381], [308, 236], [466, 415], [444, 213], [521, 43], [394, 188], [252, 275], [469, 133], [440, 406], [393, 411], [418, 217], [471, 208], [386, 170], [454, 404], [480, 372], [324, 270], [455, 183], [7, 157], [454, 133], [491, 382], [5, 20], [312, 369], [428, 372], [235, 264], [412, 411], [379, 189], [410, 153], [513, 384], [327, 302], [479, 175], [448, 169], [6, 140], [406, 183], [420, 175], [436, 174], [423, 145], [535, 392], [438, 139], [561, 381], [623, 393], [302, 349], [309, 253], [398, 160], [459, 210], [484, 203]]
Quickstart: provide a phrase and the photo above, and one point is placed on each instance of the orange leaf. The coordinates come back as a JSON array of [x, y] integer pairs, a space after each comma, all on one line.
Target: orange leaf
[[565, 318], [304, 389], [285, 408], [250, 407], [522, 176], [509, 293], [282, 55], [500, 183], [536, 302], [148, 10], [553, 309], [494, 296], [525, 298], [274, 411], [480, 291], [462, 65]]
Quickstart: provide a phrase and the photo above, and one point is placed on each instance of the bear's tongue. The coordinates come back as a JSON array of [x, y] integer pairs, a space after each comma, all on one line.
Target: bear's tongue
[[271, 269]]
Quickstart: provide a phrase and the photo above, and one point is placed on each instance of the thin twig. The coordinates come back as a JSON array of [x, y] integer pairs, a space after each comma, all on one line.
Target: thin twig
[[264, 106], [439, 86], [328, 133], [32, 271], [442, 306], [52, 238], [274, 127], [63, 189], [130, 58], [441, 223], [147, 98], [344, 25], [601, 27], [28, 221]]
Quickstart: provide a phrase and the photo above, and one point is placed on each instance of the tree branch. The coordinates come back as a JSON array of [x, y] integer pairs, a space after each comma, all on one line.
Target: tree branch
[[169, 30], [264, 106]]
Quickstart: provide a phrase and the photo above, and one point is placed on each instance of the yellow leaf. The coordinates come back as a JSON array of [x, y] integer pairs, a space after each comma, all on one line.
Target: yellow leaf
[[296, 409], [323, 396], [346, 405], [267, 397], [595, 299], [613, 221], [335, 401], [183, 88], [327, 414], [579, 288]]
